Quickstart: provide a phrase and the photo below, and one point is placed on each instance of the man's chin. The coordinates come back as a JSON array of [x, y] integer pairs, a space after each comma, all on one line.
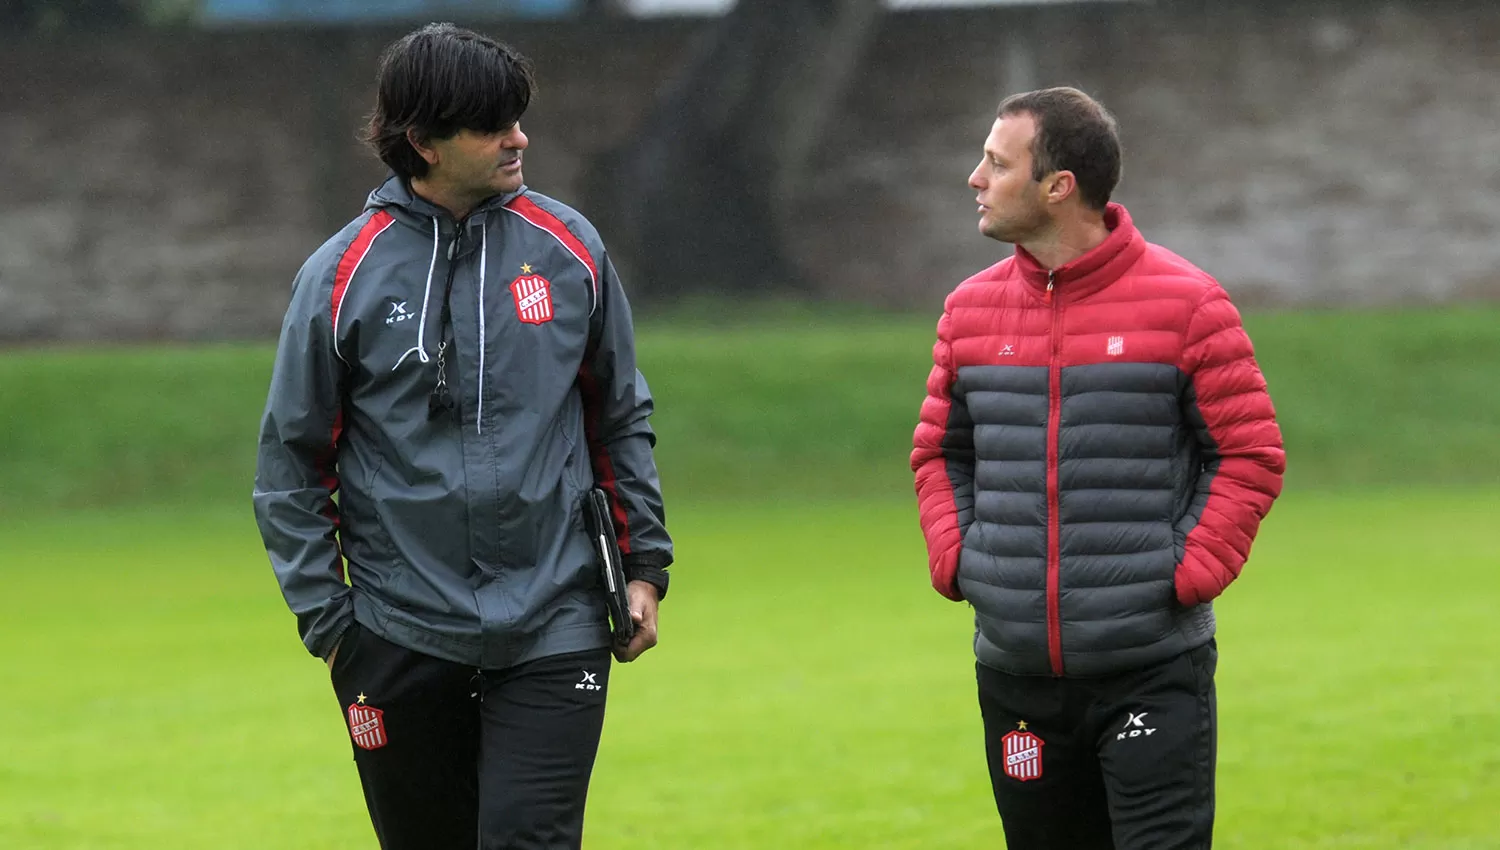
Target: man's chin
[[995, 232], [509, 182]]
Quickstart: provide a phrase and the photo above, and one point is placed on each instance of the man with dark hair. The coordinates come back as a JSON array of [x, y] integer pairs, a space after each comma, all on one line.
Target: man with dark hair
[[1095, 454], [458, 364]]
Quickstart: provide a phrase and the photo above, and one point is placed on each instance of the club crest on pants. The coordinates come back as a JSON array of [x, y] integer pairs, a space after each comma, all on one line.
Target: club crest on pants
[[367, 726], [1023, 756]]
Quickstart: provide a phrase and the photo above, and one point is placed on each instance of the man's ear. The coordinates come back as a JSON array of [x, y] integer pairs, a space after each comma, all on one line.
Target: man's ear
[[1062, 185], [420, 144]]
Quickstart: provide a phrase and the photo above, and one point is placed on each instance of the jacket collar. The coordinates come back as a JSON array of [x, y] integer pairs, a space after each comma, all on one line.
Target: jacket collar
[[395, 192], [1093, 271]]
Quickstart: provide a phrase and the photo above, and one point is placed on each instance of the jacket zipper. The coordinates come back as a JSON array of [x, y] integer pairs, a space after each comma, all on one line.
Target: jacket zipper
[[1054, 451]]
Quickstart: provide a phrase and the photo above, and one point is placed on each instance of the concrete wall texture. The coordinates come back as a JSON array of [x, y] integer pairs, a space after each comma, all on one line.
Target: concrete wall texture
[[167, 186]]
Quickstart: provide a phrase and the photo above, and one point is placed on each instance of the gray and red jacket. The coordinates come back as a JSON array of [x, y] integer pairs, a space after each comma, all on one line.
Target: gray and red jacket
[[460, 524], [1094, 457]]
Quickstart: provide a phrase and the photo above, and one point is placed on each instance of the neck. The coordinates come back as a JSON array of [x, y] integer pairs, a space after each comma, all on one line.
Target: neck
[[456, 203], [1066, 241]]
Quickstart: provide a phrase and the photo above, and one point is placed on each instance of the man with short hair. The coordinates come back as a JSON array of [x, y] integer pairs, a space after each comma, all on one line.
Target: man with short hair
[[458, 364], [1095, 454]]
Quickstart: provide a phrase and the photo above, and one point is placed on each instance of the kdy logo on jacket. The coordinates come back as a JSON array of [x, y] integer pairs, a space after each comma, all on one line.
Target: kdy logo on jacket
[[399, 313], [533, 296]]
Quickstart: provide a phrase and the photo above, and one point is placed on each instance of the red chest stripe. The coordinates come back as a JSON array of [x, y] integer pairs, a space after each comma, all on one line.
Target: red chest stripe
[[349, 263], [543, 220]]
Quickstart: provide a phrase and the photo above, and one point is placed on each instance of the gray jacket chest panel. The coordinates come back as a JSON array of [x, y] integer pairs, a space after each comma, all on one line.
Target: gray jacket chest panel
[[1120, 429], [519, 317]]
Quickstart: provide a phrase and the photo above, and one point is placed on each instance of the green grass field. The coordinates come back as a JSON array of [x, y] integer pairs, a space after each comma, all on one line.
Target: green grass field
[[794, 405], [810, 691]]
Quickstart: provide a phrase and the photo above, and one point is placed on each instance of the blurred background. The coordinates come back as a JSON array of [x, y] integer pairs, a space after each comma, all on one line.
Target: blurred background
[[782, 183], [169, 163]]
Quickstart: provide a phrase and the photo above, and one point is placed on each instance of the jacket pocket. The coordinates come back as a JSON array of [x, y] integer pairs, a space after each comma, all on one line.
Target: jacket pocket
[[963, 546], [1179, 552], [366, 543], [578, 468], [344, 652]]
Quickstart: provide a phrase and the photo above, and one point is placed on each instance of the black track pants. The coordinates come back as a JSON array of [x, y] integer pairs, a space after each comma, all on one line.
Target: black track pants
[[1123, 762], [452, 758]]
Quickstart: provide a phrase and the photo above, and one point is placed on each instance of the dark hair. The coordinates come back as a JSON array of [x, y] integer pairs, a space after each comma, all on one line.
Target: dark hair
[[1074, 133], [441, 79]]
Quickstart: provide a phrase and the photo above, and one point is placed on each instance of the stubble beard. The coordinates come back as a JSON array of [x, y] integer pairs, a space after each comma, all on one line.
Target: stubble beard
[[1017, 229], [507, 183], [493, 183]]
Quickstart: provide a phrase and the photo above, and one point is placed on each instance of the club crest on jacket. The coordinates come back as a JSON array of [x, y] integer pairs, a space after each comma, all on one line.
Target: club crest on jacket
[[533, 294]]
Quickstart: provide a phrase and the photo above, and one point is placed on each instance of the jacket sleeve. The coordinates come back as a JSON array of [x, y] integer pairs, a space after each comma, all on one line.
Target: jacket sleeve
[[943, 459], [1227, 404], [296, 471], [616, 406]]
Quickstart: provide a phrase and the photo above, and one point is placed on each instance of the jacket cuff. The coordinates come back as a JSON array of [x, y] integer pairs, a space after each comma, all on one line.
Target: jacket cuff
[[326, 645], [649, 570], [323, 627], [1195, 583]]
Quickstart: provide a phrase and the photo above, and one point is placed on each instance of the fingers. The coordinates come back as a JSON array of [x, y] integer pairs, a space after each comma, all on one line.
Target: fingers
[[645, 638], [643, 610]]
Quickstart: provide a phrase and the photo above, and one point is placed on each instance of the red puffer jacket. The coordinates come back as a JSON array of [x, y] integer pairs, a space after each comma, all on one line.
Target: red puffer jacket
[[1094, 457]]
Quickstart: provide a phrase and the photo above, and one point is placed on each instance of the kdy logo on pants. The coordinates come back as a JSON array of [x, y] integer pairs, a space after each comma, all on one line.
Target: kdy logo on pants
[[1135, 727]]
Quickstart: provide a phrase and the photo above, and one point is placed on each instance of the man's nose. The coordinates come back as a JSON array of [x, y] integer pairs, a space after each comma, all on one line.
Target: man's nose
[[515, 139]]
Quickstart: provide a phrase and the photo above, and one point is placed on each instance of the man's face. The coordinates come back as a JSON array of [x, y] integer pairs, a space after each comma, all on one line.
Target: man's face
[[1012, 206], [477, 165]]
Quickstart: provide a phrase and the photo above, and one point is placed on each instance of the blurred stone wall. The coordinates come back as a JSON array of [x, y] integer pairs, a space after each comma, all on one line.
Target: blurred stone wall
[[1318, 152]]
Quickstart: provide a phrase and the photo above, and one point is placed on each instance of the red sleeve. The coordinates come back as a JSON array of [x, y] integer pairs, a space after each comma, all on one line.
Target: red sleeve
[[1243, 459], [943, 459]]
